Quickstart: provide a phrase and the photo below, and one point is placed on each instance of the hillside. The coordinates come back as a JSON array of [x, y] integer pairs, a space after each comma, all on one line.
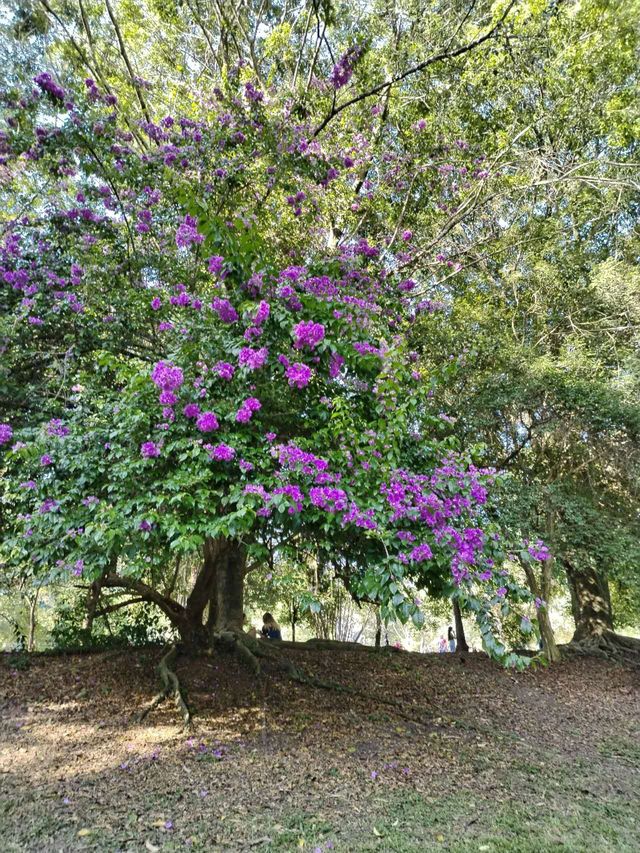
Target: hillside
[[477, 758]]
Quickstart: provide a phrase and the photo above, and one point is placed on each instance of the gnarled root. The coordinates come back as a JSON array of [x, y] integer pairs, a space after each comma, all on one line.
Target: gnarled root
[[271, 651], [241, 645], [607, 645], [170, 686]]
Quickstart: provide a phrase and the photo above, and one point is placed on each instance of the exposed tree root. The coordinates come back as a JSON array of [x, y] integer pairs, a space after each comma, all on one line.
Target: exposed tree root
[[607, 645], [240, 645], [171, 687], [272, 651]]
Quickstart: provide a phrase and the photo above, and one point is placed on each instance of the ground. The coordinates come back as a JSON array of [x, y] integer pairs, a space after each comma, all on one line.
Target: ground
[[479, 758]]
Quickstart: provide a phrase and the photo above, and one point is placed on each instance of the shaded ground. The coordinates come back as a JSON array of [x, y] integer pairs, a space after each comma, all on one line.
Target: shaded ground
[[481, 760]]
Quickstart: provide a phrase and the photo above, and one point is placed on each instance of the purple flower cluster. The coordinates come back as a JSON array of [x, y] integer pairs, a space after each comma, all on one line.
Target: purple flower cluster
[[187, 233], [215, 264], [207, 422], [298, 375], [292, 457], [344, 67], [262, 314], [225, 310], [328, 498], [167, 376], [56, 427], [336, 363], [6, 433], [47, 84], [253, 359], [149, 449], [221, 452], [48, 505], [246, 410], [224, 370], [307, 334]]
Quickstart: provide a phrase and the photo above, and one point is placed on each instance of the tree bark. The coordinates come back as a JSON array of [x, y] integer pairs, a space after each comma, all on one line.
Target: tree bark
[[33, 608], [461, 640], [590, 602], [219, 586], [541, 589], [378, 630]]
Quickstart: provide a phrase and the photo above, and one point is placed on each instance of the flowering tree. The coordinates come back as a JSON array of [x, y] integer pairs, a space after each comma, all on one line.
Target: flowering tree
[[196, 364]]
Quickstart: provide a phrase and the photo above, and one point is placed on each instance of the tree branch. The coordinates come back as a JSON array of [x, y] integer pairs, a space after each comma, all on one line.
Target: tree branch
[[421, 66]]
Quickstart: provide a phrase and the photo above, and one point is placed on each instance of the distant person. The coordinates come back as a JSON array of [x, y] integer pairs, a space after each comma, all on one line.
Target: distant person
[[270, 628], [442, 646], [451, 637]]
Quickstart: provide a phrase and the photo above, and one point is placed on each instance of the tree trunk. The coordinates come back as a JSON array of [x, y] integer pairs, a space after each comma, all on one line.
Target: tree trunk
[[228, 590], [590, 602], [33, 606], [219, 586], [461, 640], [541, 589], [378, 630]]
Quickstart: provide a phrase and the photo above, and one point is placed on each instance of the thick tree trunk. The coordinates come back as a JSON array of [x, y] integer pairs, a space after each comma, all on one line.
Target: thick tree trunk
[[590, 602], [218, 587], [461, 640]]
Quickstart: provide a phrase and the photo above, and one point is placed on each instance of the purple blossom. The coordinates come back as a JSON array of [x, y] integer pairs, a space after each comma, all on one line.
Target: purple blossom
[[47, 84], [48, 505], [421, 553], [29, 484], [328, 498], [262, 314], [224, 370], [307, 333], [55, 427], [207, 422], [191, 410], [253, 359], [343, 69], [222, 453], [187, 233], [45, 460], [149, 449], [299, 375], [167, 376], [336, 364], [6, 433], [215, 264], [145, 526], [225, 310], [246, 410], [156, 303], [168, 398]]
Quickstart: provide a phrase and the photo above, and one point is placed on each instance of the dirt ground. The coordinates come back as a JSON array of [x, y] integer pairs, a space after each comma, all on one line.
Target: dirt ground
[[477, 759]]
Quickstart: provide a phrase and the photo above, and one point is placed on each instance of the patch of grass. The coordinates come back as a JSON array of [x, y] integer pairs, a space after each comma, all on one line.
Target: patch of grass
[[621, 748]]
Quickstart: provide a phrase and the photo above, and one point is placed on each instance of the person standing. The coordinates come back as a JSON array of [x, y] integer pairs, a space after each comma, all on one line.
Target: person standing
[[451, 637], [442, 646]]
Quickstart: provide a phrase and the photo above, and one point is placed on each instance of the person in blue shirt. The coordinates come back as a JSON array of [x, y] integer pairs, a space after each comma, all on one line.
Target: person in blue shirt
[[270, 628]]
